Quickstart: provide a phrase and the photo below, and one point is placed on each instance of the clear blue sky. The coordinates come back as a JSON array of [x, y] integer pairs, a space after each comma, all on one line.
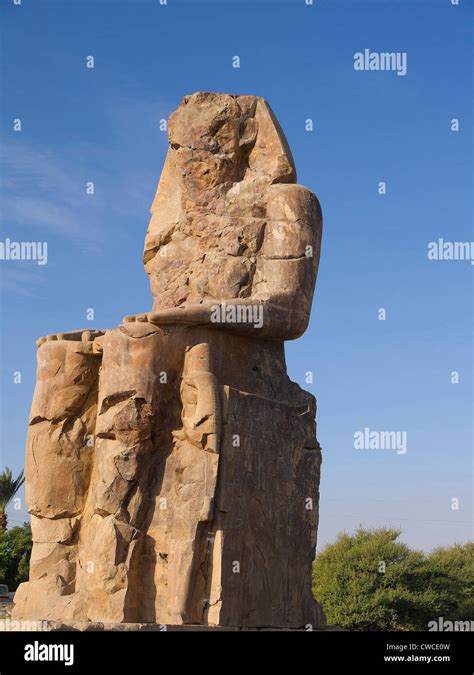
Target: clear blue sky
[[102, 124]]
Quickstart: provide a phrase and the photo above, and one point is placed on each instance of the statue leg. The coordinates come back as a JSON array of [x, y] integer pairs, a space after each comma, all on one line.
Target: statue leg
[[59, 459]]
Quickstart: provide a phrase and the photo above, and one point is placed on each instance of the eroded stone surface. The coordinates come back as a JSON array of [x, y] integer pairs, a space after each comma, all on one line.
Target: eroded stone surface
[[172, 466], [228, 222]]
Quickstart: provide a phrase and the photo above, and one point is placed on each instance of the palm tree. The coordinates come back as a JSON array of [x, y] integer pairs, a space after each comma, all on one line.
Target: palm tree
[[9, 486]]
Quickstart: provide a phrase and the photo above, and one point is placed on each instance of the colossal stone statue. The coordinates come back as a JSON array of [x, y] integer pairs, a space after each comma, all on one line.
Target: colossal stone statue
[[172, 466]]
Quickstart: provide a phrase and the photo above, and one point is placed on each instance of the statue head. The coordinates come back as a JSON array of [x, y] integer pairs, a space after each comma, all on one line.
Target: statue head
[[217, 140]]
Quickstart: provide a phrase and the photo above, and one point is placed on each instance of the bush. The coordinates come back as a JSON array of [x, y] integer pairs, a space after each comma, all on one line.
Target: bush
[[371, 581], [15, 551]]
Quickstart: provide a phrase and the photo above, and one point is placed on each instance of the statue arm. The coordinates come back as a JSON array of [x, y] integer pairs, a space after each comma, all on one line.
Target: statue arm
[[270, 319]]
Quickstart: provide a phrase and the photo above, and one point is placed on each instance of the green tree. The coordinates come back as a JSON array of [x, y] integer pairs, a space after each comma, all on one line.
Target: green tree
[[371, 581], [453, 569], [9, 486], [15, 551]]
